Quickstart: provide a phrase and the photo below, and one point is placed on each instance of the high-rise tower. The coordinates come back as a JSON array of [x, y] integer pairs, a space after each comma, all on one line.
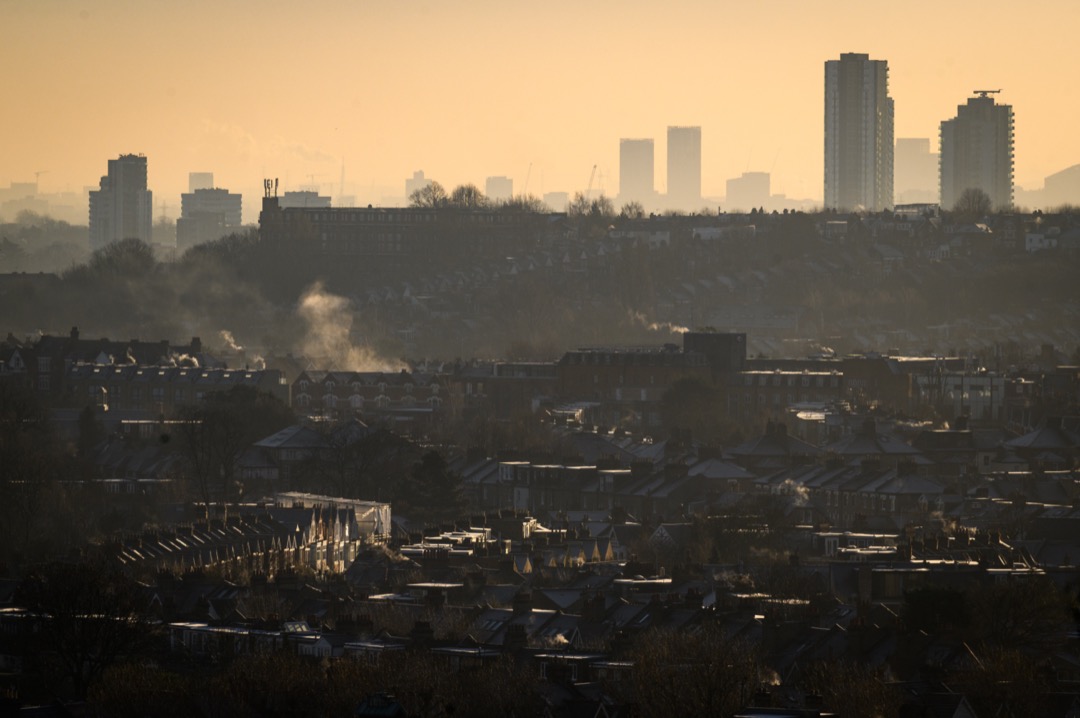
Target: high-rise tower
[[122, 208], [977, 151], [858, 134], [636, 169], [684, 168]]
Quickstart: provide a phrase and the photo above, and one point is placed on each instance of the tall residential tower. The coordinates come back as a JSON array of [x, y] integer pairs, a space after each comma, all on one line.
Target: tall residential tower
[[977, 151], [858, 134], [636, 168], [684, 168], [122, 207]]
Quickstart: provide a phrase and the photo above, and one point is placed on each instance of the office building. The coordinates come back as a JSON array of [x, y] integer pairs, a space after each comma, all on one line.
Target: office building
[[915, 180], [684, 168], [636, 169], [557, 201], [977, 151], [200, 180], [750, 191], [304, 198], [207, 215], [417, 182], [499, 189], [122, 206], [858, 134]]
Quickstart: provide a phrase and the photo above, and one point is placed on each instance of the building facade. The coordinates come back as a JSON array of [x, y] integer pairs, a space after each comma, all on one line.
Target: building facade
[[751, 190], [499, 189], [206, 215], [916, 168], [636, 169], [977, 152], [858, 134], [684, 168], [122, 206]]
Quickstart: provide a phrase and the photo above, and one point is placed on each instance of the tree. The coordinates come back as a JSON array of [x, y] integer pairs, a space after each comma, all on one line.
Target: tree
[[632, 210], [437, 492], [432, 195], [127, 258], [852, 690], [92, 618], [524, 203], [29, 459], [215, 431], [370, 465], [972, 205], [693, 674], [468, 196]]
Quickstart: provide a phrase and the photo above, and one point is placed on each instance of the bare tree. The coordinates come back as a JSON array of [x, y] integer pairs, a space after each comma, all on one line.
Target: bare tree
[[431, 195], [468, 196], [972, 205], [91, 618], [632, 210], [701, 673]]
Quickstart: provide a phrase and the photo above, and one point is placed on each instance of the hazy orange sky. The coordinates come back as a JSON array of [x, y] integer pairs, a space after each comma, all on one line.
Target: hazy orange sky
[[464, 90]]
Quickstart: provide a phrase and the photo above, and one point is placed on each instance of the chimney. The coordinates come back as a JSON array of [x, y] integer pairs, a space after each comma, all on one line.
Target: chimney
[[75, 333], [522, 603], [422, 634], [515, 638]]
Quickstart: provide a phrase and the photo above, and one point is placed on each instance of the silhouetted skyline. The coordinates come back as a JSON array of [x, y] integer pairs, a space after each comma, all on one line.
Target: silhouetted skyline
[[352, 99]]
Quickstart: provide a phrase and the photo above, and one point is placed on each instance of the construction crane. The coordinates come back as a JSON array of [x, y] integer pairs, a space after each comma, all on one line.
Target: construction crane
[[37, 179], [592, 176], [528, 174], [984, 93]]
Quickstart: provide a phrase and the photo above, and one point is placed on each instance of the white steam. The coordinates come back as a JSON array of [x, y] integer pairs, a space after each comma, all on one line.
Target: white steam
[[656, 326], [329, 319], [230, 341], [800, 492]]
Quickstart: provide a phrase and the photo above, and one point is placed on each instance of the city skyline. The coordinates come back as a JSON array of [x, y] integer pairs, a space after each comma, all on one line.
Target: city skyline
[[376, 110]]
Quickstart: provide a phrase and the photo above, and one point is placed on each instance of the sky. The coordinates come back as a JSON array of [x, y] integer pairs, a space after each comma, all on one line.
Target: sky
[[537, 91]]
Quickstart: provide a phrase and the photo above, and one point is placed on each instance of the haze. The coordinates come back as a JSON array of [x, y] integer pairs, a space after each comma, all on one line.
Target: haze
[[467, 90]]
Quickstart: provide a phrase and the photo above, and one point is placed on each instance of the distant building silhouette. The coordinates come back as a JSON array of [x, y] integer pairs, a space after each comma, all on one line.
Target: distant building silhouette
[[751, 190], [636, 169], [417, 181], [1062, 187], [977, 152], [200, 180], [122, 207], [684, 167], [206, 215], [916, 171], [858, 134], [557, 201], [499, 189], [304, 198]]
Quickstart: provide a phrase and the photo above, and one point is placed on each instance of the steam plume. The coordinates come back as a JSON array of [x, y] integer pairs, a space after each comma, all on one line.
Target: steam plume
[[230, 341], [328, 321], [656, 326]]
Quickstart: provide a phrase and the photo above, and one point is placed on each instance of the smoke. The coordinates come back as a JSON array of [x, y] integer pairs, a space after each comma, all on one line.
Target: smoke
[[184, 360], [258, 362], [230, 341], [329, 319], [641, 319], [800, 492]]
